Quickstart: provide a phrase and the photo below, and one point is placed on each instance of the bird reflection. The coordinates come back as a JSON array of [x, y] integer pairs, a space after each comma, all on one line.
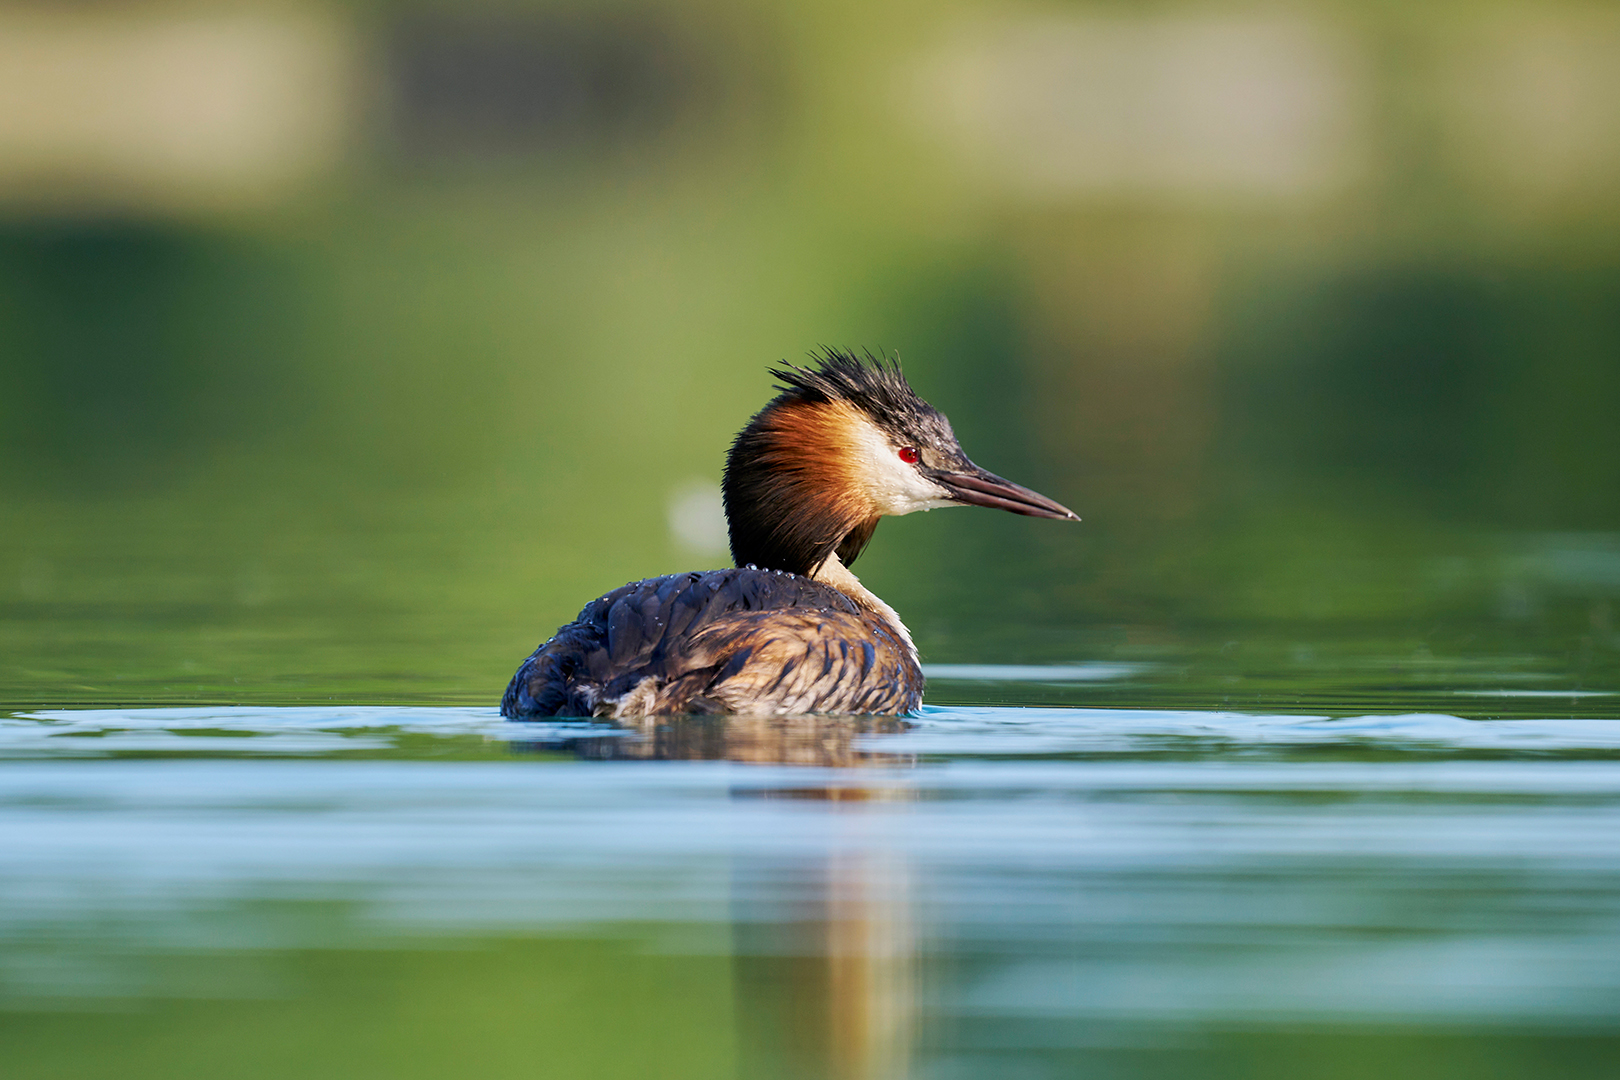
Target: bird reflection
[[825, 971], [825, 741]]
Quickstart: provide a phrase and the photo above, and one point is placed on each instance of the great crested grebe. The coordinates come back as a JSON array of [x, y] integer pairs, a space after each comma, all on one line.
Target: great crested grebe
[[790, 629]]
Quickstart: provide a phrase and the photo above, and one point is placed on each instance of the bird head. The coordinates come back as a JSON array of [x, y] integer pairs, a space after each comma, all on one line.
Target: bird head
[[846, 442]]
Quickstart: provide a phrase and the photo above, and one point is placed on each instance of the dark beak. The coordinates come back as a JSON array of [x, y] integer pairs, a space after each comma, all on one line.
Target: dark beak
[[976, 487]]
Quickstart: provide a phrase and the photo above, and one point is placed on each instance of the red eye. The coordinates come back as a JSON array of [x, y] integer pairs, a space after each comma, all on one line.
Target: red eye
[[909, 455]]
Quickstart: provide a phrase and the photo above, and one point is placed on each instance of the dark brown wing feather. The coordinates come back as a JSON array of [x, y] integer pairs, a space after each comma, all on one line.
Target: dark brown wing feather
[[738, 641]]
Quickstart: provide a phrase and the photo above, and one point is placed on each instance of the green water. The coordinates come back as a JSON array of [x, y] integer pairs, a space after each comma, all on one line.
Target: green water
[[403, 891], [376, 454]]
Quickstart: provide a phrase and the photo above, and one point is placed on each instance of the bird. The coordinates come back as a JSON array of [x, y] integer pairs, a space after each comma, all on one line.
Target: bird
[[789, 630]]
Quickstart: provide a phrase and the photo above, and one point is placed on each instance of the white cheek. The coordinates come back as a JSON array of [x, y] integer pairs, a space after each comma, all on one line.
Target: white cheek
[[896, 487]]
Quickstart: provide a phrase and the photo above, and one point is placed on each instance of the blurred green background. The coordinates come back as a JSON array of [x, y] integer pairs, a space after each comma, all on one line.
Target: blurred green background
[[348, 349]]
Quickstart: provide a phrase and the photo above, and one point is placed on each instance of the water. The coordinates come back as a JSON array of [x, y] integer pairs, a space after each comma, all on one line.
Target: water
[[981, 891]]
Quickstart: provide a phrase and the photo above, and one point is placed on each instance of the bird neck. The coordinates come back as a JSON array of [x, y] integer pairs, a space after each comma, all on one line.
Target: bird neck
[[833, 572], [792, 496]]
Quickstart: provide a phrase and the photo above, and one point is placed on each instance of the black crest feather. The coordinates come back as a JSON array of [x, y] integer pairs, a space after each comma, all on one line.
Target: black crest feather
[[875, 383]]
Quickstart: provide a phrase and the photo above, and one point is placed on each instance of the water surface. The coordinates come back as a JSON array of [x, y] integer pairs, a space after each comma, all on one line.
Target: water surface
[[982, 891]]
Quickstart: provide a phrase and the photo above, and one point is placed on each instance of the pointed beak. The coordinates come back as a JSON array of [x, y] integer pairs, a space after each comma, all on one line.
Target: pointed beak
[[976, 487]]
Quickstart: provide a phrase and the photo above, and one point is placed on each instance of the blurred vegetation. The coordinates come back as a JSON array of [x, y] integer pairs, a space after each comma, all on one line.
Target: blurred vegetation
[[374, 442]]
